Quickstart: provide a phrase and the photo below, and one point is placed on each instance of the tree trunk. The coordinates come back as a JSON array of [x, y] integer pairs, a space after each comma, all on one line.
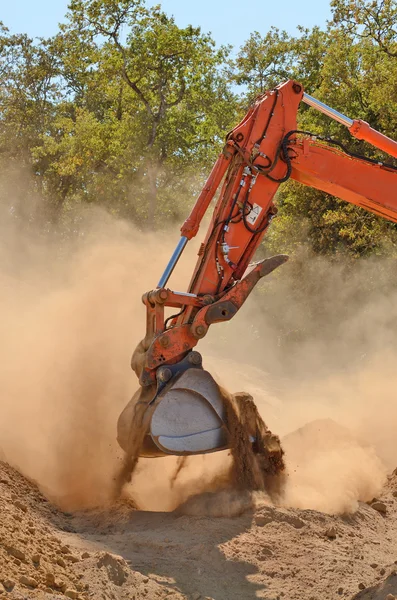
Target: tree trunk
[[152, 193]]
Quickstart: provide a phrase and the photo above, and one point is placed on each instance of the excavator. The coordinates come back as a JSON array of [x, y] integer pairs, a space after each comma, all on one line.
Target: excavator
[[179, 408]]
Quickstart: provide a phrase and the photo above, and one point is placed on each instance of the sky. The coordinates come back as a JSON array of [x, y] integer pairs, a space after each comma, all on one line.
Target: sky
[[225, 19]]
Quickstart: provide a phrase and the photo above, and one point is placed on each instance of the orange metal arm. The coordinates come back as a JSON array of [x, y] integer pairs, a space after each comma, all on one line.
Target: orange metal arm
[[362, 131], [262, 152], [358, 128], [371, 186], [191, 226], [245, 205]]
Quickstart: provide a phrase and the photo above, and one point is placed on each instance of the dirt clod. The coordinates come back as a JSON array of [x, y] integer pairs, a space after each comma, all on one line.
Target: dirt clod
[[60, 584], [16, 552], [50, 579], [330, 533], [9, 584], [72, 558], [21, 505], [261, 520], [114, 568], [28, 581], [380, 507]]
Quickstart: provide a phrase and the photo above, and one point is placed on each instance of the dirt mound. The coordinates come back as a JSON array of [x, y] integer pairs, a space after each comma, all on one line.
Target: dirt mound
[[42, 557], [32, 556], [220, 545]]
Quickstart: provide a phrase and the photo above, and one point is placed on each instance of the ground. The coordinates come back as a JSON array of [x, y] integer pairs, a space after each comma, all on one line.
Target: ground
[[262, 551]]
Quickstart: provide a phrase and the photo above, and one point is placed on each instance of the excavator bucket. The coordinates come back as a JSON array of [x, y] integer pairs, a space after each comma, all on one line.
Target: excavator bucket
[[183, 411], [186, 417], [190, 415]]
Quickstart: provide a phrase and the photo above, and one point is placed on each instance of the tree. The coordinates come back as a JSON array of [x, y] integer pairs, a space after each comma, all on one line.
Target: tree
[[28, 87], [373, 20], [164, 80], [125, 109]]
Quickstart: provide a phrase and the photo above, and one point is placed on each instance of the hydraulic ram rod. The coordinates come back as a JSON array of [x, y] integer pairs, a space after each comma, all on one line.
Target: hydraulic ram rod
[[327, 110], [358, 128], [172, 262]]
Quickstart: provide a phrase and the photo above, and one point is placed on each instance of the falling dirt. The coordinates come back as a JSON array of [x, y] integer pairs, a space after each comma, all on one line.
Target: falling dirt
[[181, 464], [259, 465]]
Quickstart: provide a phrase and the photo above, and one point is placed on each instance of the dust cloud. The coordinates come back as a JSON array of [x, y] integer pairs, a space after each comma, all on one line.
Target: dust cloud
[[315, 347], [70, 317]]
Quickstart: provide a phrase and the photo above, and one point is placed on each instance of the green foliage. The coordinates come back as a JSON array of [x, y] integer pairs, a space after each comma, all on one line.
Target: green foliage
[[160, 101], [264, 61], [124, 108]]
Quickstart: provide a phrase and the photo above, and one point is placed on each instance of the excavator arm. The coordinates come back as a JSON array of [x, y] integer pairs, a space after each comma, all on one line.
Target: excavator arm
[[182, 410]]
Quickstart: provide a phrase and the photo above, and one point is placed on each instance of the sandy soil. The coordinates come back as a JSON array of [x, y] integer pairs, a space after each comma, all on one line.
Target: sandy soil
[[261, 551]]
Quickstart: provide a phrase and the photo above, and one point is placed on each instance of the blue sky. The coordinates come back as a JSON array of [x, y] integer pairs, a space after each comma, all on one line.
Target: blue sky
[[224, 18]]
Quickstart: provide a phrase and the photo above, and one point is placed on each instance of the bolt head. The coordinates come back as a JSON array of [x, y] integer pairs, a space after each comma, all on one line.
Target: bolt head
[[195, 358], [165, 341], [200, 330], [164, 374]]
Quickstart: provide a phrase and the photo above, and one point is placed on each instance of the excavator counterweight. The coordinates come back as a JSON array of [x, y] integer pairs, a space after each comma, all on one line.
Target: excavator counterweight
[[179, 408]]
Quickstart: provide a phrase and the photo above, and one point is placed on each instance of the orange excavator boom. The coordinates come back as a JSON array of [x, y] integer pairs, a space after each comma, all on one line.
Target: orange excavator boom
[[263, 151]]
